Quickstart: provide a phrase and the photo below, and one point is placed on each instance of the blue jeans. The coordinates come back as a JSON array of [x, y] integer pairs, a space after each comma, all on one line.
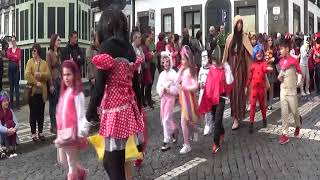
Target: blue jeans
[[14, 77]]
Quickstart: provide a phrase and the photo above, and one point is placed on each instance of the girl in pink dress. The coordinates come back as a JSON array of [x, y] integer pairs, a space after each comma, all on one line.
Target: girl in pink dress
[[189, 104], [72, 126]]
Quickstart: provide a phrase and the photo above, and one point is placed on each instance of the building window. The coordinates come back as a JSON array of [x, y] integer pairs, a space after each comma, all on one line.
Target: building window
[[31, 21], [167, 23], [86, 25], [61, 22], [192, 22], [71, 17], [17, 24], [0, 23], [249, 18], [6, 23], [13, 23], [311, 23], [17, 2], [83, 19], [23, 63], [22, 25], [40, 20], [296, 18], [51, 21], [26, 24]]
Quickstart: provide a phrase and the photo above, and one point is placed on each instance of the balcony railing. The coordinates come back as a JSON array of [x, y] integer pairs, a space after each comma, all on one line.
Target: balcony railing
[[6, 3]]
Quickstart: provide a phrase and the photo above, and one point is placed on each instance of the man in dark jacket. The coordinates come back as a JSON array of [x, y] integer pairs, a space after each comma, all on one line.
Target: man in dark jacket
[[73, 51]]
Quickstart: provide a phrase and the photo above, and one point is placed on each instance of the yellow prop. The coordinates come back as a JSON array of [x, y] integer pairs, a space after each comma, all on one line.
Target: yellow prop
[[98, 143]]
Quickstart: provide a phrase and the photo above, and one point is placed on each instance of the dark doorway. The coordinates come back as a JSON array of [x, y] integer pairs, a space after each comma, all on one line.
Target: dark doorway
[[215, 12]]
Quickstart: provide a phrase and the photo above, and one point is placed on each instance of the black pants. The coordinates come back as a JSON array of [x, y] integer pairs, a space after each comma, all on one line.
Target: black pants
[[317, 77], [146, 94], [113, 163], [14, 77], [159, 64], [217, 118], [36, 106], [153, 68]]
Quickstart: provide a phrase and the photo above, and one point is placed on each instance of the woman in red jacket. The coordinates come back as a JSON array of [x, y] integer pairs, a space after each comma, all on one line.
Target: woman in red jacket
[[14, 56], [146, 81]]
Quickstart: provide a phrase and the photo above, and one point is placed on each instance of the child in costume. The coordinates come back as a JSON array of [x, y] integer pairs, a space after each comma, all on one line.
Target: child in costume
[[189, 106], [305, 53], [8, 126], [290, 77], [217, 87], [257, 81], [202, 77], [167, 90], [72, 126]]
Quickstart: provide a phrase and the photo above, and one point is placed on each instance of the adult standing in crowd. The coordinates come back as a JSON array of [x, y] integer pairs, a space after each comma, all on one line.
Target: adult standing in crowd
[[161, 46], [120, 116], [197, 48], [221, 38], [210, 37], [136, 44], [152, 49], [272, 59], [238, 53], [37, 75], [92, 70], [73, 51], [185, 37], [54, 65], [2, 55], [171, 49], [14, 56], [146, 82]]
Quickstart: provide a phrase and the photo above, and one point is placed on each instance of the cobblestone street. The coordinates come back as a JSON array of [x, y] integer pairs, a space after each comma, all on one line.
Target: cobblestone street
[[242, 156]]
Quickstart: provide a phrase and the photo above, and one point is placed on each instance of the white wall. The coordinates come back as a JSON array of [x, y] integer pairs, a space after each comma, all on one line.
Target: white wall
[[316, 11], [301, 4]]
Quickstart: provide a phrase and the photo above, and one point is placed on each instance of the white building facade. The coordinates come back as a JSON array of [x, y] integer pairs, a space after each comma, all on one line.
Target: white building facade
[[259, 15]]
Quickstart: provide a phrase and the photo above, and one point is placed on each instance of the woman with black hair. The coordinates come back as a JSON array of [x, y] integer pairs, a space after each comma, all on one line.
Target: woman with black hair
[[117, 90]]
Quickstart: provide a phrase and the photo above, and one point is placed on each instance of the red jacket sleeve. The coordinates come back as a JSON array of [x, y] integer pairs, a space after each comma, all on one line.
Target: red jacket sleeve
[[147, 54]]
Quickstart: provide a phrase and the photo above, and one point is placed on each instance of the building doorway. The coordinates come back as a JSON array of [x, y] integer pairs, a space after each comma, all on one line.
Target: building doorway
[[192, 21], [218, 12]]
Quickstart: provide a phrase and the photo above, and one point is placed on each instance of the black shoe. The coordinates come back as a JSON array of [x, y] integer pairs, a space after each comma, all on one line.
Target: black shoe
[[264, 123], [41, 137], [251, 128], [269, 108], [151, 106], [145, 105]]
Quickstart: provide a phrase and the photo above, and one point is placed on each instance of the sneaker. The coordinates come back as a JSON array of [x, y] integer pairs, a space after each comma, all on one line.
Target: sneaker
[[269, 108], [185, 149], [297, 132], [215, 148], [283, 139], [165, 147], [195, 137], [308, 92], [206, 130], [41, 137], [251, 128], [303, 94], [264, 123]]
